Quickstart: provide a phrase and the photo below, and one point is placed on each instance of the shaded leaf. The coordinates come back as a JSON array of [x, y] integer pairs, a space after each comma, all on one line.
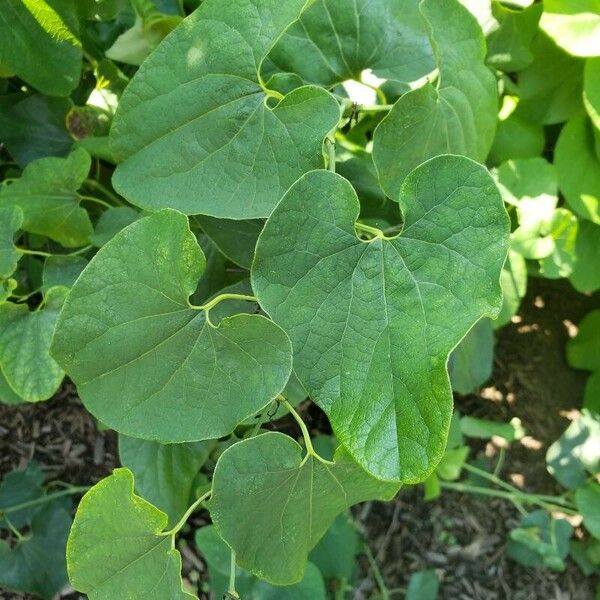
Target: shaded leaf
[[18, 487], [61, 271], [586, 275], [583, 351], [11, 219], [111, 222], [587, 499], [423, 585]]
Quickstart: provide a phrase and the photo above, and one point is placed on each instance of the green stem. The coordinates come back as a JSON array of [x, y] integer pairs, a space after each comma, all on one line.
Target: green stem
[[231, 589], [374, 107], [33, 252], [385, 594], [14, 530], [187, 515], [330, 154], [376, 233], [43, 499], [98, 186], [95, 200], [305, 434], [212, 303]]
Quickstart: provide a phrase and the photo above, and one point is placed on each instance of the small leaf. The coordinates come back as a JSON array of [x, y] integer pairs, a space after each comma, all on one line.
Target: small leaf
[[36, 564], [11, 219], [128, 332], [25, 338], [333, 41], [39, 44], [164, 473], [210, 143], [18, 487], [371, 344], [587, 499], [485, 429], [293, 501], [583, 351], [455, 116], [47, 195], [423, 585], [451, 465], [117, 545]]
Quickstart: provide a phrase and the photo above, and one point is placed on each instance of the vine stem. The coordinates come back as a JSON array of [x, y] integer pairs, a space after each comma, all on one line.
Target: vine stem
[[330, 143], [98, 186], [377, 233], [305, 435], [374, 107], [43, 499], [385, 594], [212, 303], [95, 200], [49, 254], [231, 588], [187, 515]]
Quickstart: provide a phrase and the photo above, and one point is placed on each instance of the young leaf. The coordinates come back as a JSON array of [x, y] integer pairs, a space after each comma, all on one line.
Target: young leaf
[[36, 564], [39, 43], [117, 545], [210, 143], [587, 499], [292, 500], [164, 474], [47, 195], [334, 41], [25, 338], [371, 343], [11, 219], [146, 362], [578, 168], [455, 116]]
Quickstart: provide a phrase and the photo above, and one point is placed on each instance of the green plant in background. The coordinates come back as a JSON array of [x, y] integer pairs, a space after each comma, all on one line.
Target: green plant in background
[[206, 241]]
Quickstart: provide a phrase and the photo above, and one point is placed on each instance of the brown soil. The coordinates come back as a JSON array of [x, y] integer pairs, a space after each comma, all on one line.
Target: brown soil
[[462, 537]]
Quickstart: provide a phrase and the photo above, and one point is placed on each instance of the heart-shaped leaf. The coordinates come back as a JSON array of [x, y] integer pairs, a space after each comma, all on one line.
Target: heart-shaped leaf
[[457, 115], [333, 41], [11, 219], [25, 338], [47, 195], [118, 542], [292, 502], [194, 130], [146, 362], [372, 322]]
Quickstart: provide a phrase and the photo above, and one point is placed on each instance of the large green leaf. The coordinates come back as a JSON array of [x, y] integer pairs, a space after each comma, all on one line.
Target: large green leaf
[[36, 564], [146, 362], [292, 502], [583, 351], [38, 42], [578, 168], [194, 129], [11, 219], [47, 195], [587, 499], [118, 548], [591, 89], [164, 473], [456, 115], [25, 338], [372, 322], [586, 274], [334, 41], [7, 394], [574, 25]]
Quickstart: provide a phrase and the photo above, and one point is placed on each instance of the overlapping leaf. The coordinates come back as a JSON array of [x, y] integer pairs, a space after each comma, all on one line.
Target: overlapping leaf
[[11, 219], [372, 323], [333, 41], [455, 115], [591, 90], [292, 500], [148, 364], [117, 542], [47, 195], [38, 43], [194, 130]]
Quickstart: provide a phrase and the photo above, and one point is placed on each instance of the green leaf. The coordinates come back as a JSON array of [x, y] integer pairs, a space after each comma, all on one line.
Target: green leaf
[[577, 452], [235, 239], [39, 43], [209, 143], [450, 467], [513, 281], [371, 343], [578, 168], [310, 587], [485, 429], [586, 275], [47, 195], [583, 351], [423, 585], [455, 116], [335, 555], [333, 41], [7, 394], [18, 487], [563, 229], [32, 127], [117, 545], [591, 397], [574, 25], [509, 45], [128, 331], [61, 271], [293, 501], [36, 564], [25, 338], [550, 87], [540, 541], [111, 222], [11, 219], [470, 364], [516, 137], [587, 499], [591, 89], [164, 474]]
